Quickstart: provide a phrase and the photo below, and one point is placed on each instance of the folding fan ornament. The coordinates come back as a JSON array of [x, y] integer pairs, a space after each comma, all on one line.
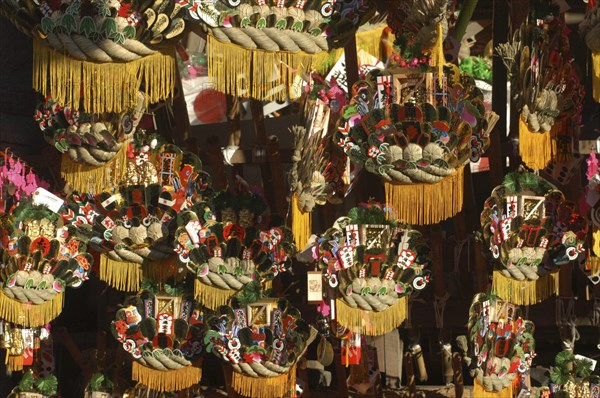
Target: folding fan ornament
[[547, 90], [590, 29], [375, 264], [254, 46], [417, 136], [100, 53], [530, 229], [262, 343], [94, 147], [41, 256], [502, 346], [134, 227], [21, 344], [158, 330], [227, 258]]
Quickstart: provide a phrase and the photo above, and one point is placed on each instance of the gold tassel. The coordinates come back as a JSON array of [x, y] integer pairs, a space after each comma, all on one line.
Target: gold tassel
[[87, 178], [371, 323], [480, 392], [526, 292], [536, 149], [166, 380], [301, 224], [264, 387], [424, 203], [121, 275], [27, 314], [438, 59], [15, 363], [255, 73], [103, 87], [596, 76], [210, 296]]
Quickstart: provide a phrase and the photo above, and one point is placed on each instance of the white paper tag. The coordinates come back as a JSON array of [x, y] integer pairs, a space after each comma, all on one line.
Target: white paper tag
[[48, 199], [593, 361]]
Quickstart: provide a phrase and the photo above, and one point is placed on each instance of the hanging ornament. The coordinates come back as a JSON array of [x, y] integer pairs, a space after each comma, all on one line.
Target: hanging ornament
[[227, 258], [375, 264], [93, 146], [131, 224], [262, 343], [255, 47], [502, 344], [547, 89], [418, 136], [530, 230], [96, 58], [43, 256]]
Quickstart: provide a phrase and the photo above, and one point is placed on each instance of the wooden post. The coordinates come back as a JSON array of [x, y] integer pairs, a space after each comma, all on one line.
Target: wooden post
[[499, 95], [437, 260], [481, 272], [182, 120], [217, 165], [277, 176], [351, 56], [458, 375], [340, 373], [101, 349], [565, 278], [228, 373], [410, 375]]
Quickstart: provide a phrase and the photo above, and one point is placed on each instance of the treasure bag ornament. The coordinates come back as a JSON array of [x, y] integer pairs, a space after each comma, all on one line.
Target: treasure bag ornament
[[530, 230], [501, 343], [262, 343], [95, 56], [43, 256], [417, 137], [228, 259], [162, 332], [374, 264]]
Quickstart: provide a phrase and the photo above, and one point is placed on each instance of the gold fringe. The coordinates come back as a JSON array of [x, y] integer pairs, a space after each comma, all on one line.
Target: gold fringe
[[255, 73], [27, 314], [424, 203], [210, 296], [15, 363], [536, 149], [525, 292], [370, 41], [103, 87], [160, 271], [371, 323], [480, 392], [301, 224], [593, 265], [86, 178], [596, 76], [264, 387], [166, 380], [121, 275]]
